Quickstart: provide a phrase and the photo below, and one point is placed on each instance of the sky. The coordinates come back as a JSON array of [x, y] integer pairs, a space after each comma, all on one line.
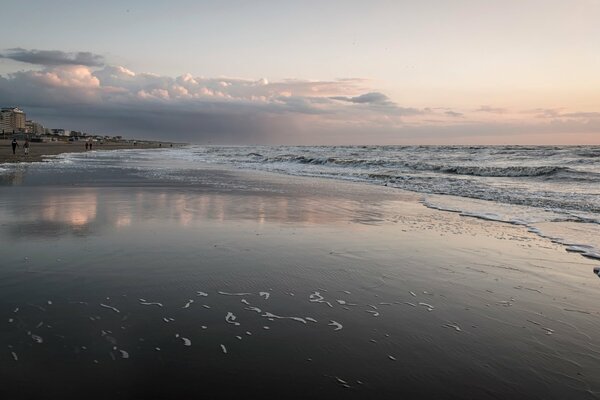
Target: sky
[[308, 72]]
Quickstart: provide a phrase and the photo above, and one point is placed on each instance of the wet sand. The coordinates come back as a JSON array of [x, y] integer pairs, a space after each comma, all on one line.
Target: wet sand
[[283, 287], [37, 151]]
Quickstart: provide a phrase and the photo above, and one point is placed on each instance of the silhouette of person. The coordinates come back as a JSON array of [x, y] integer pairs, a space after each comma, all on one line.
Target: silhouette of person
[[14, 145], [26, 147]]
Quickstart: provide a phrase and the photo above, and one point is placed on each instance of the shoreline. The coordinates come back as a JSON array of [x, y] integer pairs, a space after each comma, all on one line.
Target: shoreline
[[38, 151]]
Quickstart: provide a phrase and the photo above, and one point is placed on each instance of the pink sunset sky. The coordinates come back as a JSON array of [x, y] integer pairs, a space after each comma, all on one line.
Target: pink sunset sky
[[337, 72]]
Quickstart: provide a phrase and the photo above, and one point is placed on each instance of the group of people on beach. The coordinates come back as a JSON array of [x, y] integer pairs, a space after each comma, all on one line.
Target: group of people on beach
[[15, 144]]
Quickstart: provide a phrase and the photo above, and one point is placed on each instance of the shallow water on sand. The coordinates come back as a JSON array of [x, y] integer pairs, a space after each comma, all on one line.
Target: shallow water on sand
[[255, 285]]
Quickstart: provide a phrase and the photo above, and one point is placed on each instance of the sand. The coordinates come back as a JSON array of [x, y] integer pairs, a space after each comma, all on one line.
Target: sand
[[302, 288], [37, 151]]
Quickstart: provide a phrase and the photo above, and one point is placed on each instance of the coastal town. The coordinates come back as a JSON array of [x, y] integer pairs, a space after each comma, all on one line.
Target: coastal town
[[26, 140]]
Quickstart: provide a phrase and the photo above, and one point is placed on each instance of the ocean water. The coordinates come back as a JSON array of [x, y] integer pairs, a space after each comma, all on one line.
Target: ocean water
[[553, 191]]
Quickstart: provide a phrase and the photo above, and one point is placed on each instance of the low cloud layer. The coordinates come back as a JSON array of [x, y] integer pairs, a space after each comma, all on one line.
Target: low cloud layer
[[53, 57], [116, 100], [77, 91]]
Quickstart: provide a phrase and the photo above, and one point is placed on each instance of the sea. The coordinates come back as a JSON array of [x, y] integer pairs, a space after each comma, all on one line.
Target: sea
[[553, 191]]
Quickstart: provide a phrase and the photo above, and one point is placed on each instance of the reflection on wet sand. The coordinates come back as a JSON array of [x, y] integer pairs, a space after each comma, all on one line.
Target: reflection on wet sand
[[86, 210]]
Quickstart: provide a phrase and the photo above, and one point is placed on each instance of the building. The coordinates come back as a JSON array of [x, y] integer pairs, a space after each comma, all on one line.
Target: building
[[12, 119], [34, 127], [61, 132]]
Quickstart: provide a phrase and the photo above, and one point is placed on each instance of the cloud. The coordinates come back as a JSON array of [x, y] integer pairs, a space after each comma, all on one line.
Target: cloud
[[377, 101], [367, 98], [53, 57], [489, 109], [556, 113], [584, 115], [118, 101]]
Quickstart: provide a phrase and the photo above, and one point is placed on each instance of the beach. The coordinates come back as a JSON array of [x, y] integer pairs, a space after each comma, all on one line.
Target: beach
[[132, 274], [38, 150]]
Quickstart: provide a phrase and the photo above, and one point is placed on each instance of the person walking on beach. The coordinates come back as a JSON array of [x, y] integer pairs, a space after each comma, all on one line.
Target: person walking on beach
[[26, 147], [86, 145], [14, 145]]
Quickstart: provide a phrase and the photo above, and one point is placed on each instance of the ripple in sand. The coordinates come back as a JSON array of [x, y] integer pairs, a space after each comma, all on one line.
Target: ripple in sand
[[150, 303], [230, 319], [337, 325], [233, 294], [375, 313], [577, 311], [316, 297], [186, 341], [342, 382], [453, 326], [110, 307], [272, 316], [37, 339], [265, 295]]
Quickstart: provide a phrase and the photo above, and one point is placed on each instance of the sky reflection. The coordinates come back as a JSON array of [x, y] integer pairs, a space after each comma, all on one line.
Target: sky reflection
[[85, 211]]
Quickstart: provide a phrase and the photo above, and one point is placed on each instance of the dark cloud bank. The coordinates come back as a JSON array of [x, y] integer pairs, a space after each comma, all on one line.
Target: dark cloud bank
[[53, 57]]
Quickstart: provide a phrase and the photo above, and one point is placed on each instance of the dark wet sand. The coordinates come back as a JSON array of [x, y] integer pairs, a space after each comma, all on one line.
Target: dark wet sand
[[432, 304], [37, 151]]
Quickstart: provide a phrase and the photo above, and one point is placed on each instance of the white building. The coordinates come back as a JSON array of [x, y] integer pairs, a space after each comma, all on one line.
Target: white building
[[34, 127], [61, 132]]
